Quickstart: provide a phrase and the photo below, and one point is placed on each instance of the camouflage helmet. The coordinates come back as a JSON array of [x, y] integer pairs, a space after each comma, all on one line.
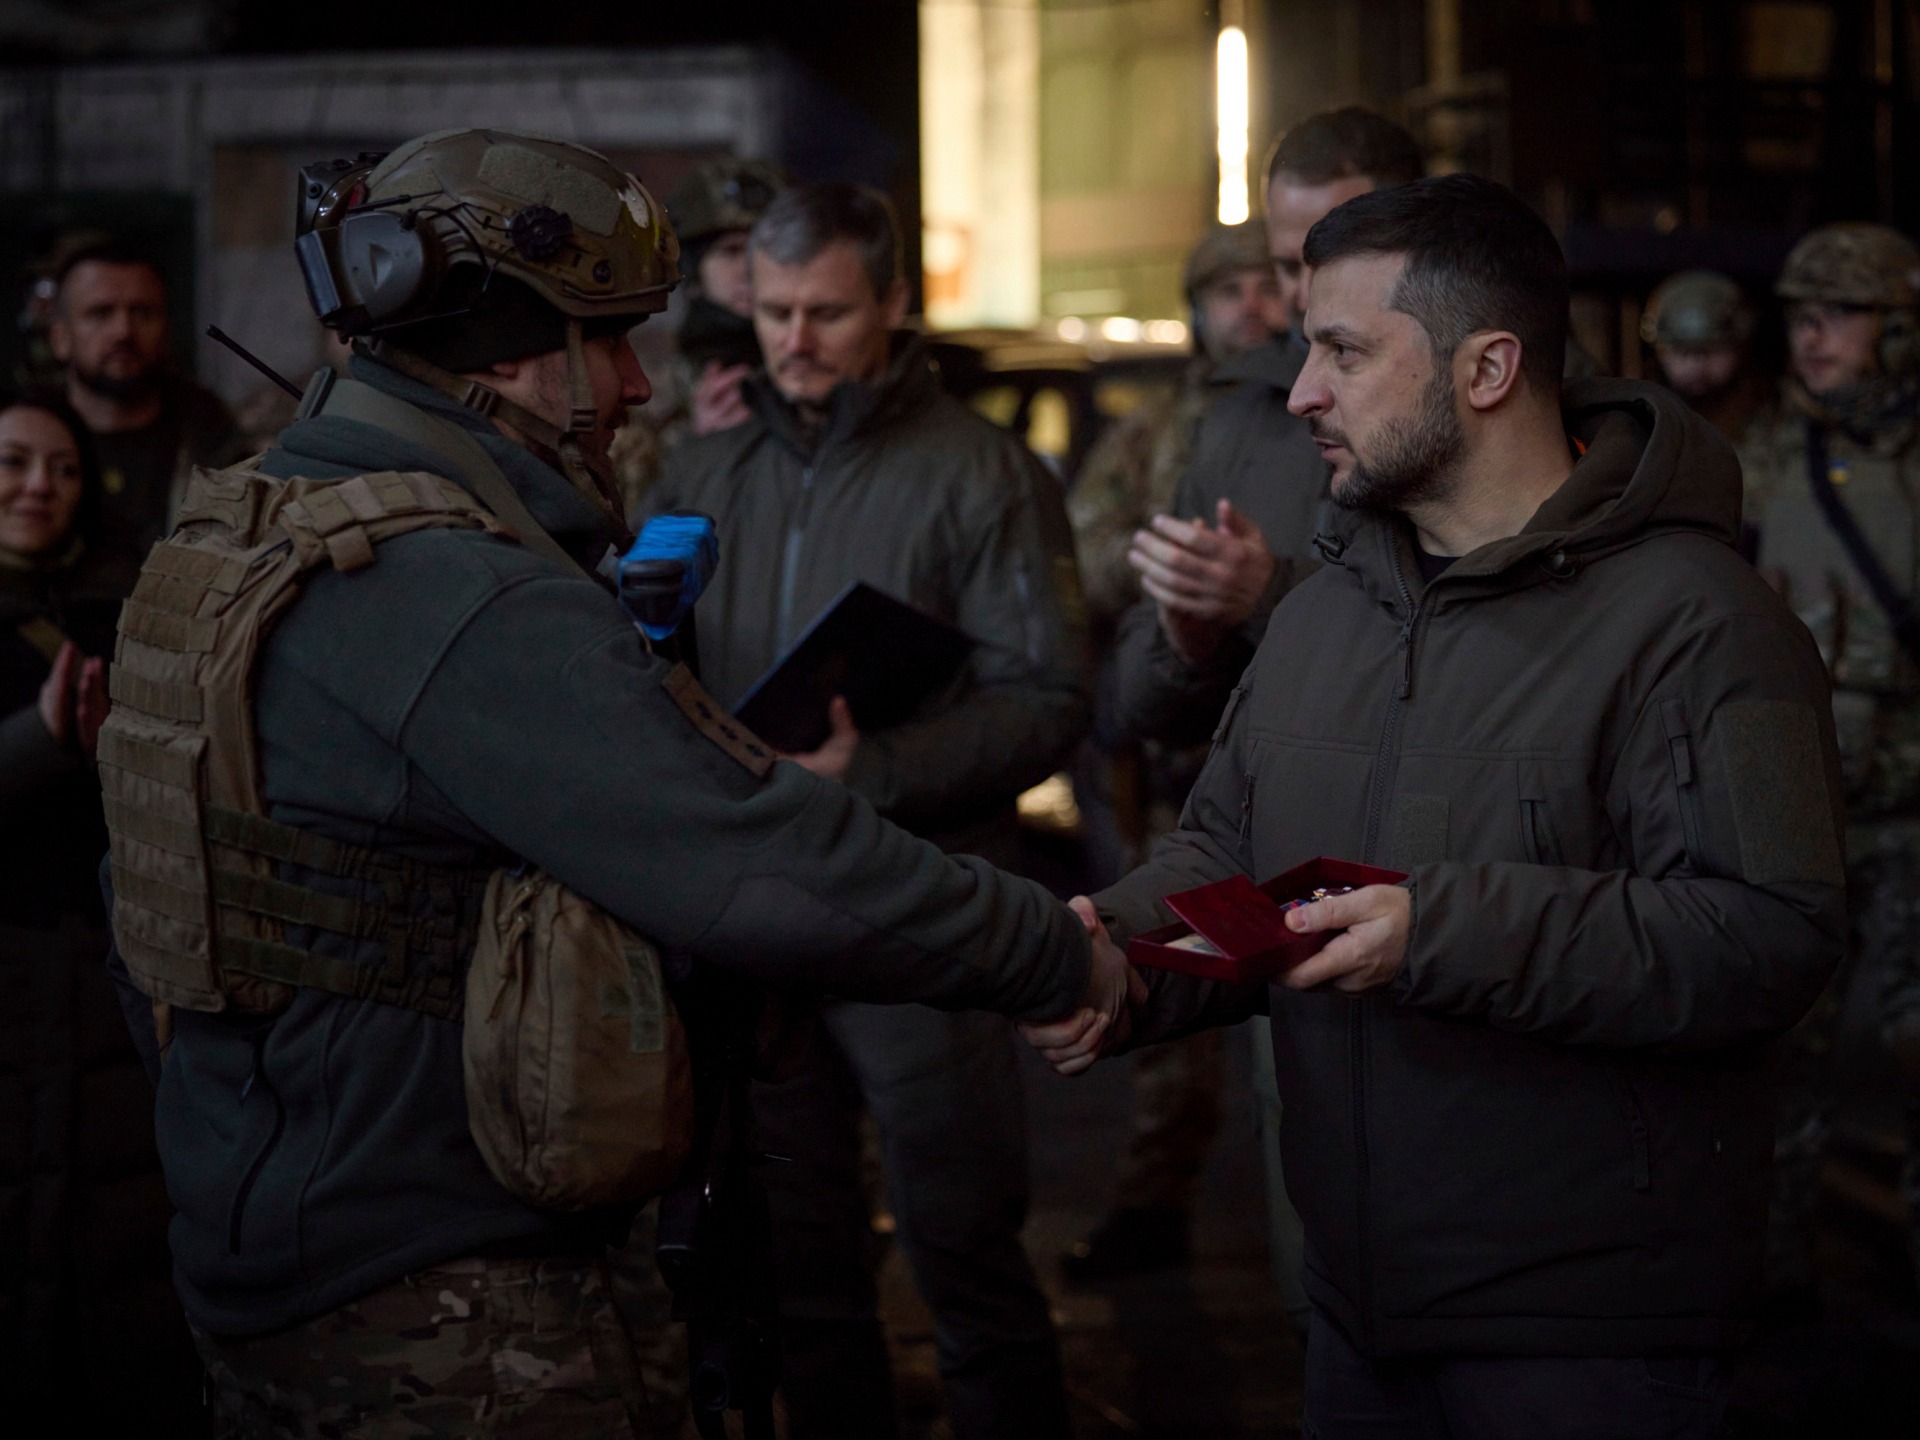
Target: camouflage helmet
[[723, 195], [426, 230], [1853, 263], [1225, 250], [1697, 308]]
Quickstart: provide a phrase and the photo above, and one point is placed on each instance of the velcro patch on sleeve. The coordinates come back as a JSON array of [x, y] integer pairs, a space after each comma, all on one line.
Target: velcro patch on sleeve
[[711, 721], [1420, 824], [1777, 776]]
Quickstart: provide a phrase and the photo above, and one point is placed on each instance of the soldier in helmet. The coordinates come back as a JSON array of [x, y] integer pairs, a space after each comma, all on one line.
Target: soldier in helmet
[[712, 208], [1831, 493], [1234, 300], [380, 734], [1700, 326]]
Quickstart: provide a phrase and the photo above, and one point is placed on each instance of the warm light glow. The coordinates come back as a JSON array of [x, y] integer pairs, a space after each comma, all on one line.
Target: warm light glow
[[1232, 118], [1121, 329], [1165, 332], [1073, 329]]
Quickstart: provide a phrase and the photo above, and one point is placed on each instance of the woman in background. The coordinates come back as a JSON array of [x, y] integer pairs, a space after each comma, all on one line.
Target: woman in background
[[90, 1329]]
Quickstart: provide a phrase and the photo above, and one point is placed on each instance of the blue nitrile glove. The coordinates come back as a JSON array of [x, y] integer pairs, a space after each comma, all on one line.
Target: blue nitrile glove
[[666, 568]]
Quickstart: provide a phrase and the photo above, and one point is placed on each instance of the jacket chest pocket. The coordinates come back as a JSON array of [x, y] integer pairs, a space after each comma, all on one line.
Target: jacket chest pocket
[[1558, 818]]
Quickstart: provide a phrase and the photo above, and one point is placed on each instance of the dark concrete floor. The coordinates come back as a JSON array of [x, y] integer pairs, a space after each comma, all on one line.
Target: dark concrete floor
[[1207, 1354], [1202, 1354]]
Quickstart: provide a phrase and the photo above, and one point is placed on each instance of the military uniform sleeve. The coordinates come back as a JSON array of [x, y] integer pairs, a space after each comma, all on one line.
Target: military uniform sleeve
[[1729, 915], [546, 724], [1029, 700], [1111, 499], [1208, 845]]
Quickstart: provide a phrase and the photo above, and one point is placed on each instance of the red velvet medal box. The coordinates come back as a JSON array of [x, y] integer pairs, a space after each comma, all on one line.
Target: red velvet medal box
[[1244, 925]]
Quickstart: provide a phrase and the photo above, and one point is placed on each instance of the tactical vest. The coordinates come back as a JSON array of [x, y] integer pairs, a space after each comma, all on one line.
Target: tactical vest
[[578, 1078], [200, 914]]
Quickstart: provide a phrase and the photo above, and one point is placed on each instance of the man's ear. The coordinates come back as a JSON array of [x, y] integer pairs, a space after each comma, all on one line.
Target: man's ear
[[507, 369], [1491, 362], [60, 338], [894, 303]]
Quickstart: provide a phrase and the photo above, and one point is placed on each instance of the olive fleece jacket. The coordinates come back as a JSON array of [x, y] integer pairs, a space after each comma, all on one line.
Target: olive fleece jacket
[[905, 488], [1602, 749], [467, 702]]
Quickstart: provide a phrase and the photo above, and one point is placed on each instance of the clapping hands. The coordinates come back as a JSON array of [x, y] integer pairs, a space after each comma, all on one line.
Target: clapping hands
[[1104, 1017], [73, 701]]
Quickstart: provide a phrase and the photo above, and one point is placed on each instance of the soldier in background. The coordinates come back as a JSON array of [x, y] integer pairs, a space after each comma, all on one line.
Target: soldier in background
[[1131, 473], [1700, 326], [1830, 490], [150, 426], [1130, 477], [697, 392]]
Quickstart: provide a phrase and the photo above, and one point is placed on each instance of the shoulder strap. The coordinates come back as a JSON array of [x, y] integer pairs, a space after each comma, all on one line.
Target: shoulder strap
[[353, 400], [1846, 529]]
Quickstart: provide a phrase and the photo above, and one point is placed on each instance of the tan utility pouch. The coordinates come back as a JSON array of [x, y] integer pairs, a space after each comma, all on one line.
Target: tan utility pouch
[[579, 1084]]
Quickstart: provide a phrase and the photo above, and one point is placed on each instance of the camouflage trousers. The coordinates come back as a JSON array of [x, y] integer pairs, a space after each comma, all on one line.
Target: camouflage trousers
[[503, 1348], [1883, 955]]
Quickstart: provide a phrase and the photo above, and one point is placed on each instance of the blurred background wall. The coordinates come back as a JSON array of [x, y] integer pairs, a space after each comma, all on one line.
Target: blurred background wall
[[1058, 157]]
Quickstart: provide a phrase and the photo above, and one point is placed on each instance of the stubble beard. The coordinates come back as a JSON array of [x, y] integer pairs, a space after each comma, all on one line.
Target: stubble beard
[[1415, 460], [121, 389]]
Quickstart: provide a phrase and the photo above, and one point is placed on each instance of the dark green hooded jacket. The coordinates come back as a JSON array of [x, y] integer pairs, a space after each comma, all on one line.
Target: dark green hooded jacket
[[1602, 749], [908, 490], [467, 702]]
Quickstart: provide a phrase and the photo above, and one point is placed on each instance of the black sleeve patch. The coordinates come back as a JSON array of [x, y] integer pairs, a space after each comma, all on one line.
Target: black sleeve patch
[[711, 721], [1777, 778]]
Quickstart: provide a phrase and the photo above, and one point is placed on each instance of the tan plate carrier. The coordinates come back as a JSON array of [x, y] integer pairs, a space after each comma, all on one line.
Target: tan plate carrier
[[205, 920]]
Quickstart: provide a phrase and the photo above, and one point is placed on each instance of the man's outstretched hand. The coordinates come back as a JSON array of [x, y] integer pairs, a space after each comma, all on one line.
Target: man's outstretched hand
[[1376, 920], [1104, 1017]]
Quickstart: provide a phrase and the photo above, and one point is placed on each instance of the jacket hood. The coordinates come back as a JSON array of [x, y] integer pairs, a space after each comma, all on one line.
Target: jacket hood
[[1649, 465], [329, 447]]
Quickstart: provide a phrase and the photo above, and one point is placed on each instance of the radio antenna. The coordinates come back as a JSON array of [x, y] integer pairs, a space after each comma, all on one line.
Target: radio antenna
[[214, 332]]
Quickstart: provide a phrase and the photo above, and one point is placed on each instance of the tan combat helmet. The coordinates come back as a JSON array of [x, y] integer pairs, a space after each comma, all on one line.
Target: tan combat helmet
[[470, 246], [723, 195], [1853, 263], [1225, 250], [1697, 308]]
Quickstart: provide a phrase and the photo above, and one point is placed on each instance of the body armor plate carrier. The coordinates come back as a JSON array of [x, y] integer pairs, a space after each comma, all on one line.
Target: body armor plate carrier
[[201, 914]]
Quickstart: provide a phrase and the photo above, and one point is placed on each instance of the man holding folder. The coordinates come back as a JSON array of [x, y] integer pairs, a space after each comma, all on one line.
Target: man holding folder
[[855, 466]]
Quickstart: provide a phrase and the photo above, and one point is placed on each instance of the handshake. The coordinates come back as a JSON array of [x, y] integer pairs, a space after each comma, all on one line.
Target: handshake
[[1106, 1014]]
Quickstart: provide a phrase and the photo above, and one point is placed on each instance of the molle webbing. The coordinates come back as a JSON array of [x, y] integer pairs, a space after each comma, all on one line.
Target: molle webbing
[[202, 913]]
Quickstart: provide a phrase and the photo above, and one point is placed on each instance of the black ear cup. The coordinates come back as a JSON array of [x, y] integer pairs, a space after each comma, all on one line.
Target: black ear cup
[[389, 264]]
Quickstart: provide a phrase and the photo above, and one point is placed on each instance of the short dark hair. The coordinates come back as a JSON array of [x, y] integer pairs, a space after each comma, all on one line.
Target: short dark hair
[[1477, 259], [89, 518], [1336, 144], [104, 250], [806, 219]]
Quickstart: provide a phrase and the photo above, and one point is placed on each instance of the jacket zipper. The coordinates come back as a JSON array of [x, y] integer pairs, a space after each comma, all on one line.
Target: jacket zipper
[[790, 556], [1636, 1131], [1357, 1033]]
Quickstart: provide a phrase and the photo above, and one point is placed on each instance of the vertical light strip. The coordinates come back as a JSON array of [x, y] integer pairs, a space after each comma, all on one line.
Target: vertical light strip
[[1230, 91]]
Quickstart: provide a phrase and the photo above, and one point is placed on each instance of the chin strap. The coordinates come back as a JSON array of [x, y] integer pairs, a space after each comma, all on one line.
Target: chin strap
[[564, 449]]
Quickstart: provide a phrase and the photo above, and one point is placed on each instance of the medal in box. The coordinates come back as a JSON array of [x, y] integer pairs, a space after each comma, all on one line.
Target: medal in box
[[1235, 930]]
